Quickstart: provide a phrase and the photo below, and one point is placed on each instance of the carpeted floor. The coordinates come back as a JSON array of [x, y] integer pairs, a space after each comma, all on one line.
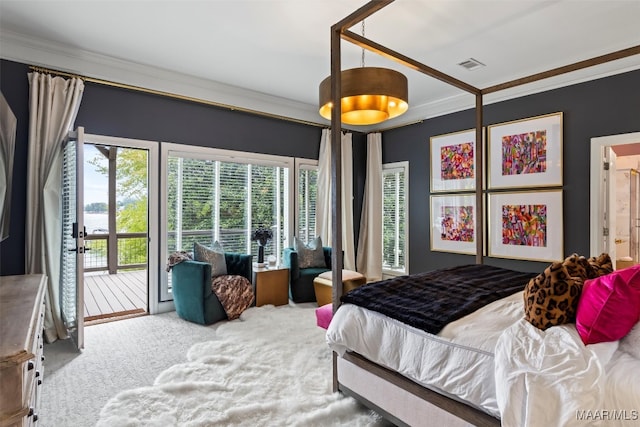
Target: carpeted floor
[[271, 367]]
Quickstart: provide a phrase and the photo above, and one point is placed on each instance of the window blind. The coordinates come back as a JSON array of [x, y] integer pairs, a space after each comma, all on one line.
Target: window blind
[[211, 200], [394, 211], [307, 197]]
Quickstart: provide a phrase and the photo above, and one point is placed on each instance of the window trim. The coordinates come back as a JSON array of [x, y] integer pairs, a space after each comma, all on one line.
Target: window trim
[[402, 166]]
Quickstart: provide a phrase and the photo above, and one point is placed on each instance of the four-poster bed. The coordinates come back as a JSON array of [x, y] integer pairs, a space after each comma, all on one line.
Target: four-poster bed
[[400, 399]]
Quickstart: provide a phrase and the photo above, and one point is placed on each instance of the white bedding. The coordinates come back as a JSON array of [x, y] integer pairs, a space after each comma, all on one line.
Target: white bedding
[[543, 377], [551, 378], [458, 362]]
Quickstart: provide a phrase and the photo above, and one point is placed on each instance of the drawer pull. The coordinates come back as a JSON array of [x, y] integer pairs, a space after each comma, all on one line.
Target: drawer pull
[[35, 417], [30, 366], [30, 412], [37, 374], [42, 358], [39, 382]]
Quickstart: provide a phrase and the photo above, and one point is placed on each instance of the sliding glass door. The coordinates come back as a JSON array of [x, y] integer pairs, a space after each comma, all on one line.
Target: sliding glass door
[[217, 195]]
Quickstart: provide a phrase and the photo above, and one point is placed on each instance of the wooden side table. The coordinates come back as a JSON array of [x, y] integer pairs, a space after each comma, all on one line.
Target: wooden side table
[[271, 285]]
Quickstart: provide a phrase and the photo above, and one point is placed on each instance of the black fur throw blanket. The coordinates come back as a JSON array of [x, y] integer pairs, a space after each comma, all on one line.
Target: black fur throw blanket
[[430, 300]]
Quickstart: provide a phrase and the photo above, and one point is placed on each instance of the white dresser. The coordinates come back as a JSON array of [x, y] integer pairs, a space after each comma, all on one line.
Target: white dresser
[[21, 345]]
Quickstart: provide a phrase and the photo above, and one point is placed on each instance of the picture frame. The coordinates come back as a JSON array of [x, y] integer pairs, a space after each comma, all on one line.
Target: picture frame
[[525, 153], [453, 223], [453, 161], [526, 225]]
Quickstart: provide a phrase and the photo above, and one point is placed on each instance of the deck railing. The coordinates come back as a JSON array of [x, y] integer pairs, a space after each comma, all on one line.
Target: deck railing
[[129, 252]]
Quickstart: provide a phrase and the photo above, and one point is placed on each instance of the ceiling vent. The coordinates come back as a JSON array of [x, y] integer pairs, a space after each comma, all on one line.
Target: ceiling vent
[[471, 64]]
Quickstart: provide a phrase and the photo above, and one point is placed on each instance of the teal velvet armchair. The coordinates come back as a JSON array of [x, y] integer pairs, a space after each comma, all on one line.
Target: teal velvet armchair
[[191, 287], [301, 279]]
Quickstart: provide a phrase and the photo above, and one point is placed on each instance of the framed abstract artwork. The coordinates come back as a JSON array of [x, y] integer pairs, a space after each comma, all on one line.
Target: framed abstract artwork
[[453, 162], [526, 153], [453, 223], [526, 225]]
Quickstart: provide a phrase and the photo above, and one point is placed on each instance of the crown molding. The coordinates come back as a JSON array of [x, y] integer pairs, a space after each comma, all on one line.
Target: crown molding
[[465, 101], [43, 53], [33, 51]]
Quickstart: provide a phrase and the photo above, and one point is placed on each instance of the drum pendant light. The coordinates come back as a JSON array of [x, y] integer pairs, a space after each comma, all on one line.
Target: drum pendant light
[[369, 95]]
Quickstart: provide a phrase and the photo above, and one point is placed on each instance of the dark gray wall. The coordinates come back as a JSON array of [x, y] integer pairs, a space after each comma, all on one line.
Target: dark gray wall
[[597, 108], [15, 88], [112, 111], [601, 107]]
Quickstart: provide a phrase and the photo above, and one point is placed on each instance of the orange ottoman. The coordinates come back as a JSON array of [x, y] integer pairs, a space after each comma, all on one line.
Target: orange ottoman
[[323, 287]]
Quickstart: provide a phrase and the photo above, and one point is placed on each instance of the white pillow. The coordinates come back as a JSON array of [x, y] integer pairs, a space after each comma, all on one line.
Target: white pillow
[[214, 256], [630, 343], [310, 255]]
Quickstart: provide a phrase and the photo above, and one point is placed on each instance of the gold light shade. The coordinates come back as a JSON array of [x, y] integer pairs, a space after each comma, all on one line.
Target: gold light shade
[[370, 95]]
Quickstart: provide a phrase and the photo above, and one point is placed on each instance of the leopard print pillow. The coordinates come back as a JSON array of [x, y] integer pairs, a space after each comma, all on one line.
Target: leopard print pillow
[[601, 265], [551, 298], [578, 266]]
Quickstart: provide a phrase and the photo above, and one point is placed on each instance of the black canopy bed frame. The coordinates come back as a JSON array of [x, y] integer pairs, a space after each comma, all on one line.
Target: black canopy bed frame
[[402, 399]]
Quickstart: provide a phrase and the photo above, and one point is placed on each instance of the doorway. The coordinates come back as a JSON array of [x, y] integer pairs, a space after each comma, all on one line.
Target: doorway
[[120, 261], [615, 206]]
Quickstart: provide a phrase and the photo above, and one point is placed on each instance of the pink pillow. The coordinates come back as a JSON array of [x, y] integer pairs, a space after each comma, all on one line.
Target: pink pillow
[[324, 315], [609, 306]]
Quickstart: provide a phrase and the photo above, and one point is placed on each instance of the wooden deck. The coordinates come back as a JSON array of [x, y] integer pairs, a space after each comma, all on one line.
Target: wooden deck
[[112, 295]]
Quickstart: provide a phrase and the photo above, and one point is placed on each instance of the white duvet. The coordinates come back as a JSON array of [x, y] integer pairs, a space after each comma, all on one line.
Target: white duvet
[[494, 360], [550, 378], [458, 362]]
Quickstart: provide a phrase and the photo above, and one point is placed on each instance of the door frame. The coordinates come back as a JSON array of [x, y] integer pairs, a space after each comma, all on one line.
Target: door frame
[[596, 189], [73, 242], [153, 148]]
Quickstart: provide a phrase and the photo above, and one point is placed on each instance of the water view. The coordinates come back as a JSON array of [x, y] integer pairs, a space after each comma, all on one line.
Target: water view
[[96, 223]]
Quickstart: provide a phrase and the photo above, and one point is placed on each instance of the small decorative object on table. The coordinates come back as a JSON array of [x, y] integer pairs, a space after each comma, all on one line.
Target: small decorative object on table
[[272, 261], [262, 235]]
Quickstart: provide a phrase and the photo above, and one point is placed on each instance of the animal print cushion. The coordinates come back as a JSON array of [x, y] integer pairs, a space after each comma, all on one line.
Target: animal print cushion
[[578, 266], [235, 293], [551, 298], [601, 265]]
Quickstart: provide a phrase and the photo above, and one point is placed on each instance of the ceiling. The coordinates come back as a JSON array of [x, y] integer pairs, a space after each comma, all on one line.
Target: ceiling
[[271, 55]]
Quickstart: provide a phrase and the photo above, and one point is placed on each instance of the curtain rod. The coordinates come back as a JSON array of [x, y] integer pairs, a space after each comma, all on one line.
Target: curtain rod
[[172, 95]]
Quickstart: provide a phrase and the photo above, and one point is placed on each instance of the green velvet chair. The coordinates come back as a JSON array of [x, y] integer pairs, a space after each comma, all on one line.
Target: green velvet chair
[[301, 279], [191, 287]]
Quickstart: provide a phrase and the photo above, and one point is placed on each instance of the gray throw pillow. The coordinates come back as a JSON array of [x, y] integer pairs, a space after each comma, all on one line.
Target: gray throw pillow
[[310, 255], [214, 256]]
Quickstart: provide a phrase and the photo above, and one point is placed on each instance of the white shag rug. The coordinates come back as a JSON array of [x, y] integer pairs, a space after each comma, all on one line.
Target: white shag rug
[[271, 367]]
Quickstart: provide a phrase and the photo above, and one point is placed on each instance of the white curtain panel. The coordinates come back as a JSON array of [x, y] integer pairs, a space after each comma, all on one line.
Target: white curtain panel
[[370, 239], [53, 106], [323, 204], [348, 244]]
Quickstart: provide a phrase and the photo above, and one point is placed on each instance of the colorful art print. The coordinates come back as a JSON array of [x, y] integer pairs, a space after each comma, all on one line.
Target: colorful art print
[[456, 161], [524, 153], [524, 225], [453, 162], [453, 223], [457, 223]]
